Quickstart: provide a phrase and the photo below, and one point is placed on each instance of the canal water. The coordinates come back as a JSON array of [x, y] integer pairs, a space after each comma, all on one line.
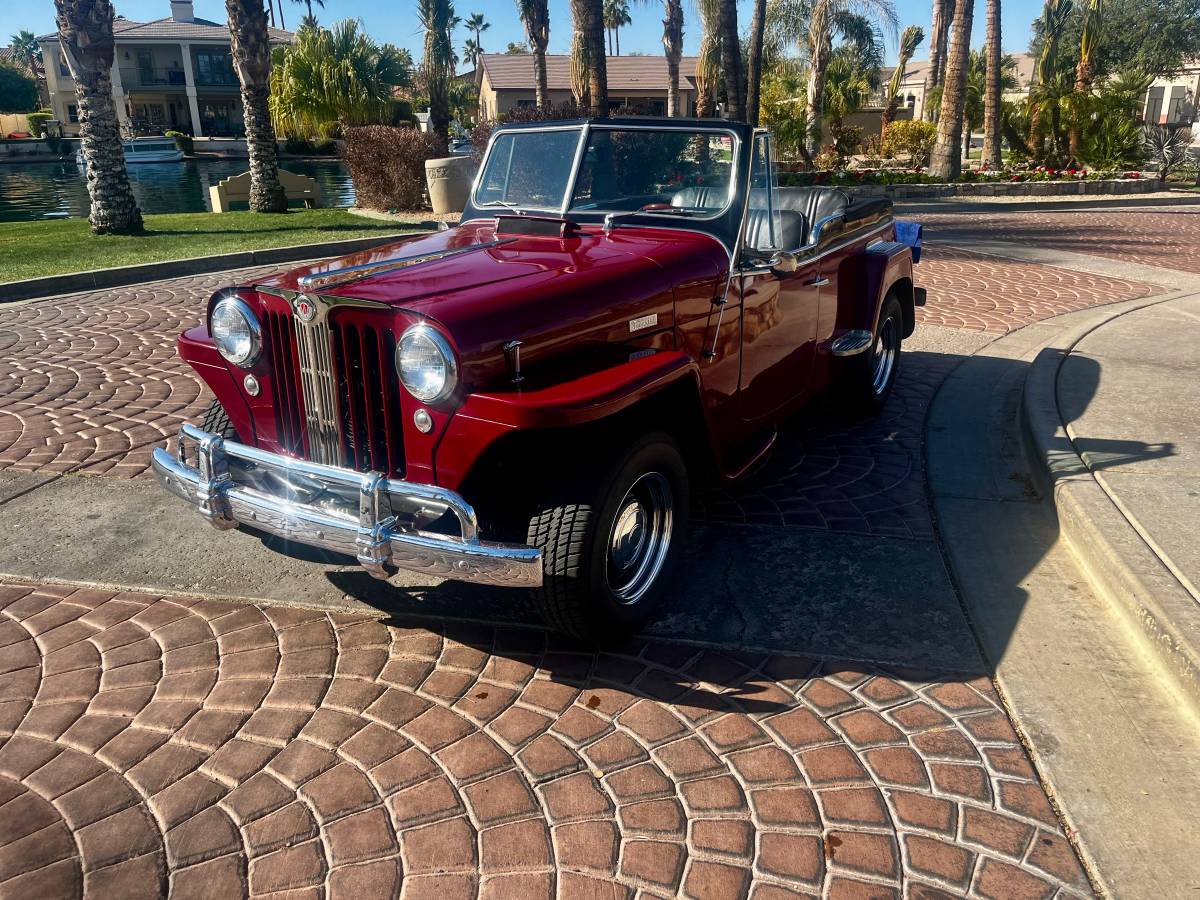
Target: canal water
[[56, 190]]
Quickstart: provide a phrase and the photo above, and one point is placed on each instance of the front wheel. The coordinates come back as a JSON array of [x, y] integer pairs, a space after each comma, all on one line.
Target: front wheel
[[869, 377], [609, 548]]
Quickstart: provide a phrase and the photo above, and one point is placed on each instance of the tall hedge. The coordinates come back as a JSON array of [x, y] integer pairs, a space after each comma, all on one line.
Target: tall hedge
[[388, 165]]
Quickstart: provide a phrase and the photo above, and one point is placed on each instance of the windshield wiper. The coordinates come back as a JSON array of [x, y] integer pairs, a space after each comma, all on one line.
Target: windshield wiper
[[512, 207], [611, 220]]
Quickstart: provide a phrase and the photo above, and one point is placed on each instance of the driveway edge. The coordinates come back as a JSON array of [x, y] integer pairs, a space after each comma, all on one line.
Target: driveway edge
[[1121, 566], [120, 276]]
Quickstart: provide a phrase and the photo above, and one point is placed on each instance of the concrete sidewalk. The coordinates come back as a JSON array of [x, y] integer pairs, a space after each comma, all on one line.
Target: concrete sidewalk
[[1113, 418]]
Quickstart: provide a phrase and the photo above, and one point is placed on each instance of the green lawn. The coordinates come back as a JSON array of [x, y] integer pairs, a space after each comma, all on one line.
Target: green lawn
[[33, 249]]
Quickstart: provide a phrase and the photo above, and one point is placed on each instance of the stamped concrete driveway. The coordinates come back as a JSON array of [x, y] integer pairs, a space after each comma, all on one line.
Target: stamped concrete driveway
[[810, 718]]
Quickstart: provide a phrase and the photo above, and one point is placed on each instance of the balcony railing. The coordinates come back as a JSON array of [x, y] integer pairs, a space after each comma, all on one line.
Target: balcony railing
[[143, 76]]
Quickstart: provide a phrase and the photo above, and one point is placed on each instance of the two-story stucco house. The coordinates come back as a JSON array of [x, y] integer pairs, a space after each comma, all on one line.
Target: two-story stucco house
[[173, 73]]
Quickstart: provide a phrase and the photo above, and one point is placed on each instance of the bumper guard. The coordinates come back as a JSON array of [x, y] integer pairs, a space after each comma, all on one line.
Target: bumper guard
[[358, 516]]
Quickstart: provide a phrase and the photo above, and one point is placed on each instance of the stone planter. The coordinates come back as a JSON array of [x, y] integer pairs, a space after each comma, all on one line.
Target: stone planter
[[449, 181]]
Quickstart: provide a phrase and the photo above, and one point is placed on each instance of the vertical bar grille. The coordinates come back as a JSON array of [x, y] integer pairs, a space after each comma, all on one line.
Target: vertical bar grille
[[289, 414], [317, 382], [367, 389]]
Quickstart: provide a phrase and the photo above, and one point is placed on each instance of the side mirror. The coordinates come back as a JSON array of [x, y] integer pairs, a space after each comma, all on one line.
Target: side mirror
[[783, 262]]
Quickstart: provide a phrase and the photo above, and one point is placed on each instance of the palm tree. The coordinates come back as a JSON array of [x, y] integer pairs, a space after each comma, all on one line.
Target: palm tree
[[1089, 46], [25, 48], [708, 66], [616, 17], [477, 25], [437, 19], [471, 50], [250, 48], [309, 18], [536, 16], [943, 12], [991, 95], [731, 63], [1055, 18], [910, 40], [946, 161], [754, 65], [589, 73], [824, 17], [85, 32], [334, 76]]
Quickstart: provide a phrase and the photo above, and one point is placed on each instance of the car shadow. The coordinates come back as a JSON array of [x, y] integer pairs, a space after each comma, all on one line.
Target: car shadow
[[871, 584]]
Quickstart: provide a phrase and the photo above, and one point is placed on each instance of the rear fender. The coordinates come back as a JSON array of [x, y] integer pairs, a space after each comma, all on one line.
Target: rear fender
[[885, 266]]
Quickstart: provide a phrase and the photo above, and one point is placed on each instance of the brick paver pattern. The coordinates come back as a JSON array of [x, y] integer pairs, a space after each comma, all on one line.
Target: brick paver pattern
[[214, 749], [1168, 237]]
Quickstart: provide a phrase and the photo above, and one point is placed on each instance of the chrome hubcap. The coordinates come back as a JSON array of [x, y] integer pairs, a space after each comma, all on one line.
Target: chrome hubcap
[[640, 537], [887, 345]]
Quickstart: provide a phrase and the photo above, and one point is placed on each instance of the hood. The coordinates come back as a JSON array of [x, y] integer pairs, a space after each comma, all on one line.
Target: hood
[[553, 294]]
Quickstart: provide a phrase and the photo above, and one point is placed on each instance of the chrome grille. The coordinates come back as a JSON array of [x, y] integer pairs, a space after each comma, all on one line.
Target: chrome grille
[[317, 386]]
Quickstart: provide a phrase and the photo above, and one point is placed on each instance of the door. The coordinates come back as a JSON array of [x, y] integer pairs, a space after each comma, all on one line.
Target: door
[[779, 313]]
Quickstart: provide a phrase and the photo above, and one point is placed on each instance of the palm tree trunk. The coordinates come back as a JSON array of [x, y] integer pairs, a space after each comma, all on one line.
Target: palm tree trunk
[[85, 31], [617, 38], [946, 162], [821, 44], [541, 87], [597, 70], [991, 95], [758, 25], [673, 49], [731, 62], [251, 52]]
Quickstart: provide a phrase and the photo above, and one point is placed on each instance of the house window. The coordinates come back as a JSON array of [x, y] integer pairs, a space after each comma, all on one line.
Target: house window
[[63, 70], [214, 67], [72, 113]]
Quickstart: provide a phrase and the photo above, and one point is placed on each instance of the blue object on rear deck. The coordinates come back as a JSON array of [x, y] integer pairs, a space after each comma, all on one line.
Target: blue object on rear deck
[[910, 233]]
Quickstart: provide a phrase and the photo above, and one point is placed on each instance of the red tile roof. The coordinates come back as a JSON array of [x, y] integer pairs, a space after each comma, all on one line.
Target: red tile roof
[[625, 73]]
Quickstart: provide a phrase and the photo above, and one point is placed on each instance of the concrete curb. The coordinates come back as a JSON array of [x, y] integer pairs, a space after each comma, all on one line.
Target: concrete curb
[[53, 285], [1121, 566], [1025, 204]]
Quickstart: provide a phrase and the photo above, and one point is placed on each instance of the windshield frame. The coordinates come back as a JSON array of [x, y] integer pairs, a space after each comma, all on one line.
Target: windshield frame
[[585, 128]]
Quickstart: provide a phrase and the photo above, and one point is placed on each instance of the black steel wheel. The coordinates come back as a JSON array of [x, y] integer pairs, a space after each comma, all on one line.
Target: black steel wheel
[[610, 544]]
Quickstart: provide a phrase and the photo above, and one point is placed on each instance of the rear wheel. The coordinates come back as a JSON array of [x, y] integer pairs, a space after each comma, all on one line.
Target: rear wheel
[[869, 377], [609, 549]]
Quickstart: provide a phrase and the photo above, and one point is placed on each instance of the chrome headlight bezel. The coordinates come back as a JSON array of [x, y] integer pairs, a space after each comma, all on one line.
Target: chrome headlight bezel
[[253, 330], [432, 339]]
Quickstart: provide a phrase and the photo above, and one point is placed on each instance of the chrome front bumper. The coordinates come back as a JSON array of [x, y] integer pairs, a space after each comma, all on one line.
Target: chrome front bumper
[[380, 521]]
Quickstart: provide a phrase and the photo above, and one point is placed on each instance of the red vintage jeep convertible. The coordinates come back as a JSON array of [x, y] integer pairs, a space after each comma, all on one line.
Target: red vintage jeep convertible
[[628, 307]]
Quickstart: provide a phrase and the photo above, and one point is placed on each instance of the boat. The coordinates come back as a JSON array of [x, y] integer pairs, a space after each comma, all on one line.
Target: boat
[[145, 150]]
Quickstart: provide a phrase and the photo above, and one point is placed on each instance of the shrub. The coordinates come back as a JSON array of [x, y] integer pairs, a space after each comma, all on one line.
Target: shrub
[[182, 140], [1114, 143], [37, 122], [298, 146], [910, 137], [1167, 147], [388, 165], [482, 132]]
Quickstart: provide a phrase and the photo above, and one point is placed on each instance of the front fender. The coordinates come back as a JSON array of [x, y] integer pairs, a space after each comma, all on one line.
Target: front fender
[[484, 418], [197, 349]]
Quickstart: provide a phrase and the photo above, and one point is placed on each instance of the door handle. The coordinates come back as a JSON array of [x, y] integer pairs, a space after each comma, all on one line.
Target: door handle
[[817, 282]]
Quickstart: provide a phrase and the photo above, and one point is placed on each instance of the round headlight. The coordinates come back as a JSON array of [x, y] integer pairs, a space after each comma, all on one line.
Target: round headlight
[[426, 364], [236, 331]]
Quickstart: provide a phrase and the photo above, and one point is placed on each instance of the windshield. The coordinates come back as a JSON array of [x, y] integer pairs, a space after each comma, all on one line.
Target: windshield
[[662, 171]]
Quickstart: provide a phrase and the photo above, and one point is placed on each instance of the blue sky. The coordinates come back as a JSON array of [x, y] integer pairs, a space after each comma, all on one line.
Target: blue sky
[[395, 20]]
